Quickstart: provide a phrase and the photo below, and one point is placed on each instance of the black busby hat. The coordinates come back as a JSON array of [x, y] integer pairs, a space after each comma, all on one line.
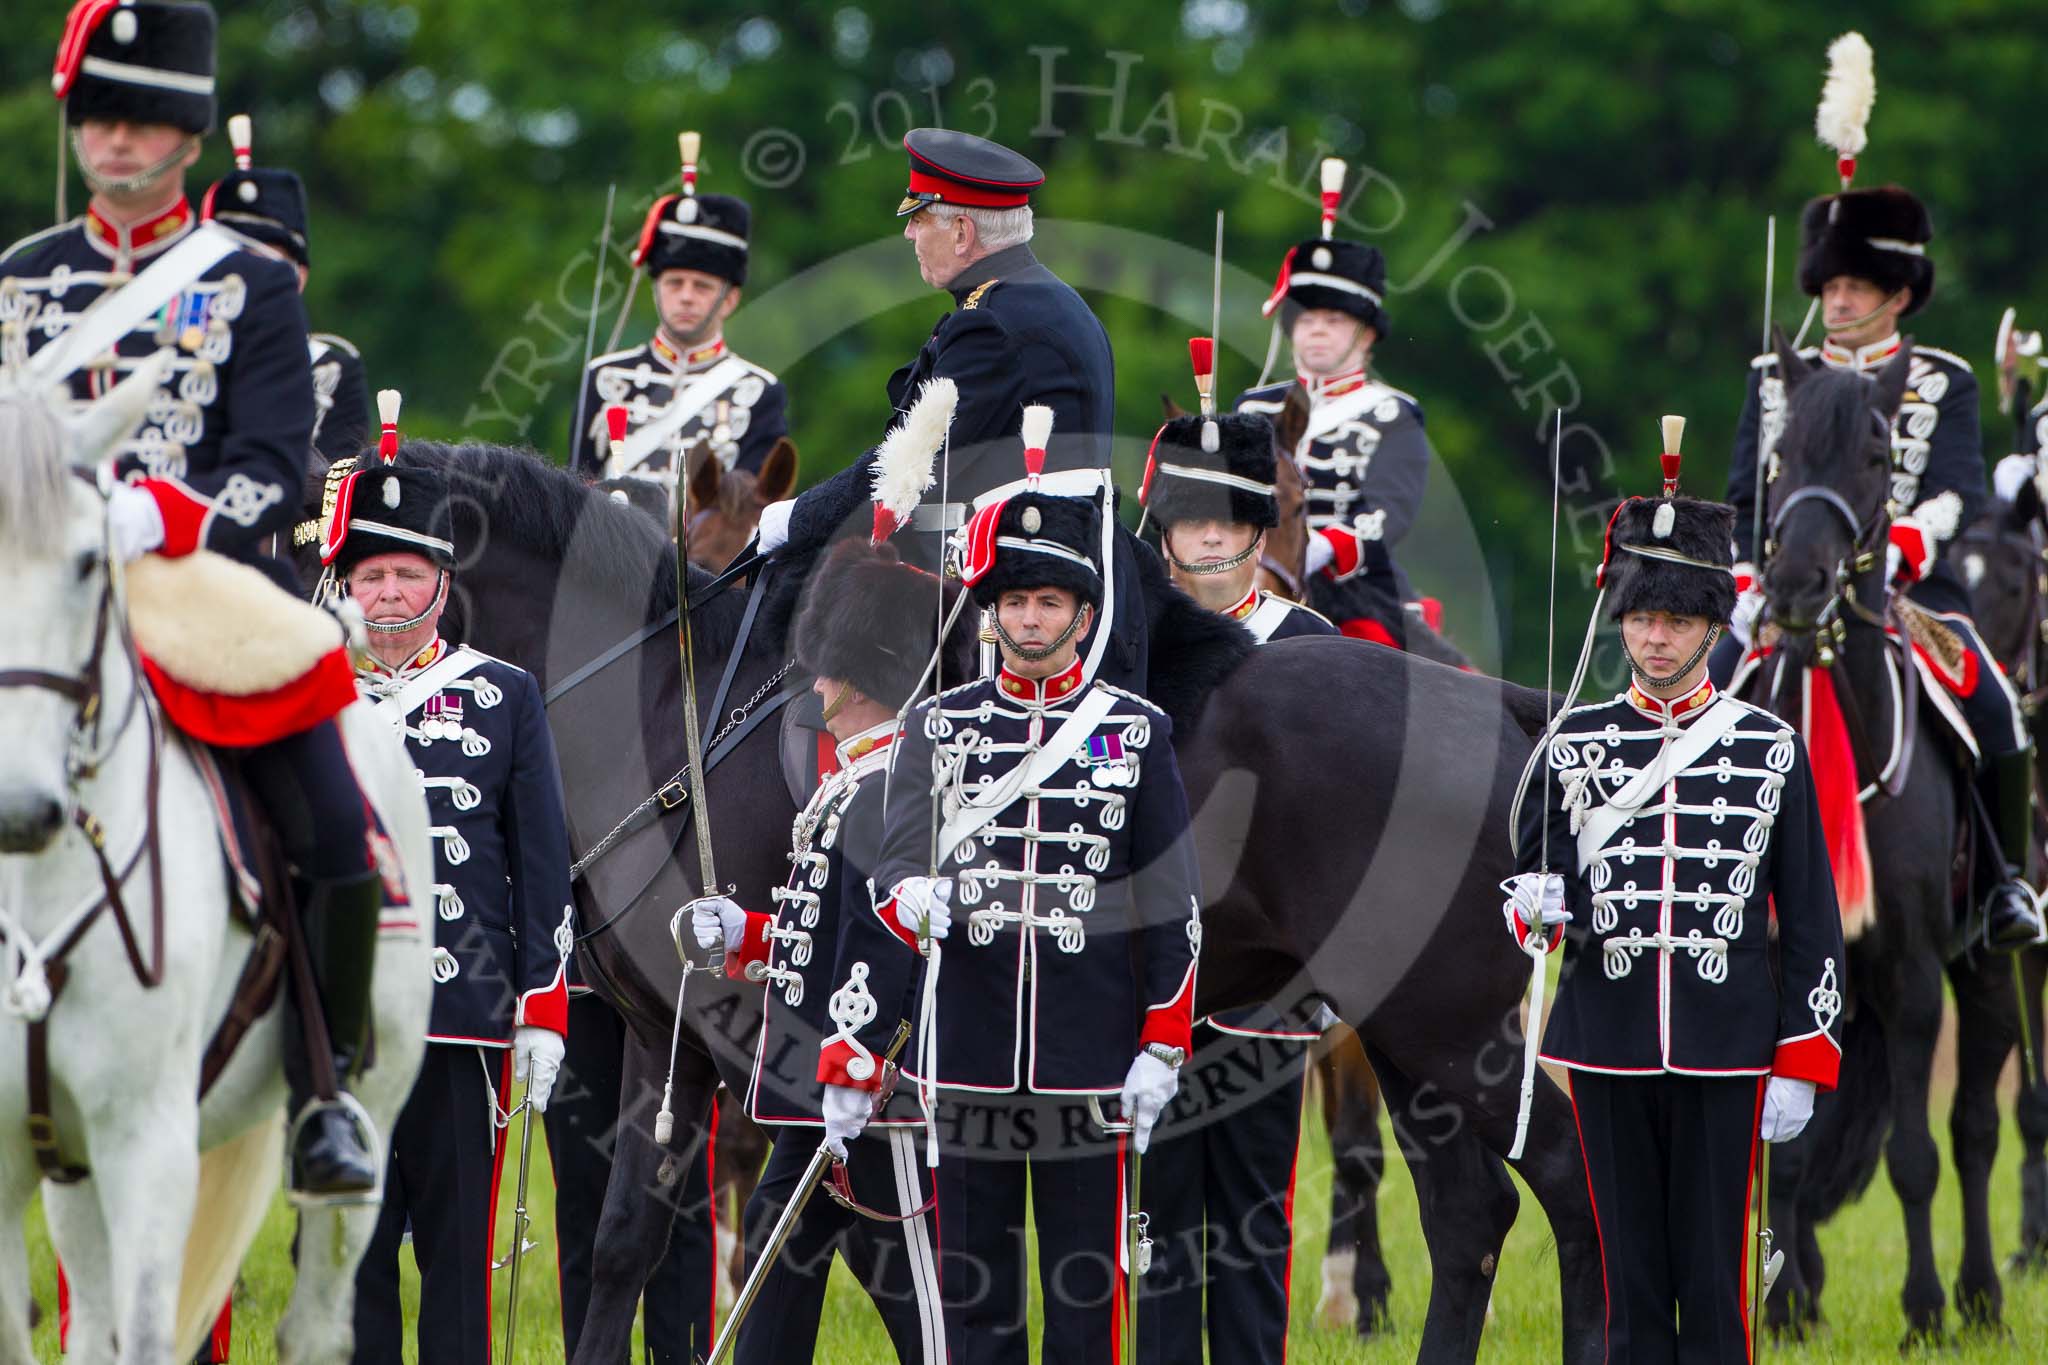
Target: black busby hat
[[1034, 540], [1880, 235], [867, 618], [706, 232], [1350, 277], [1234, 482], [261, 202], [145, 61], [380, 508], [1672, 554]]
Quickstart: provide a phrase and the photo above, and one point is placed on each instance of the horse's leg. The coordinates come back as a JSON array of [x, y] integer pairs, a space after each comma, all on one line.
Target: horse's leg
[[145, 1162], [1467, 1205], [1337, 1300], [742, 1150], [1911, 1158], [642, 1197], [1986, 1029], [1352, 1108], [2033, 1121], [84, 1261]]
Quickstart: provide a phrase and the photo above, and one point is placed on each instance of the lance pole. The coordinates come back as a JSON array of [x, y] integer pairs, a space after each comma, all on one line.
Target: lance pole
[[1756, 511]]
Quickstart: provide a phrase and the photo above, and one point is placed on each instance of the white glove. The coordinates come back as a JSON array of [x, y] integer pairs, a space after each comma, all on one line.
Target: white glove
[[1893, 561], [774, 525], [920, 897], [1749, 605], [1788, 1104], [717, 922], [1149, 1086], [135, 525], [537, 1059], [846, 1113], [1320, 554], [1534, 898], [2010, 475]]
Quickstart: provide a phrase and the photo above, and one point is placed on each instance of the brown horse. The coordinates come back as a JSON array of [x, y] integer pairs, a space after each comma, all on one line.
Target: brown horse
[[724, 504]]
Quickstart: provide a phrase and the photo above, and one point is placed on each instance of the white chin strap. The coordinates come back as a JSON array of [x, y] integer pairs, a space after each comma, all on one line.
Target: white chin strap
[[128, 184]]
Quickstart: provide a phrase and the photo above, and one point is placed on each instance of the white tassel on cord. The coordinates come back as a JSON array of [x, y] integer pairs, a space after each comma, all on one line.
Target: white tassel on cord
[[1843, 118]]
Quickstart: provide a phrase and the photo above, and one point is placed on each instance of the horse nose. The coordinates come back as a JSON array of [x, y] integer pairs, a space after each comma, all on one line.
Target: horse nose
[[28, 821]]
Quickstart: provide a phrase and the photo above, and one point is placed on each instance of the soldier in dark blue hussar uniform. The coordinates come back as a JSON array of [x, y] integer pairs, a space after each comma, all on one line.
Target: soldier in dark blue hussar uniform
[[1220, 1177], [269, 206], [1064, 857], [1674, 825], [684, 385], [839, 985], [1018, 336], [217, 464], [1863, 254], [1364, 457], [478, 734]]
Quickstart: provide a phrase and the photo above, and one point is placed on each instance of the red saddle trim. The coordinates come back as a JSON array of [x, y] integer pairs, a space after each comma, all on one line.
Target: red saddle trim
[[321, 693]]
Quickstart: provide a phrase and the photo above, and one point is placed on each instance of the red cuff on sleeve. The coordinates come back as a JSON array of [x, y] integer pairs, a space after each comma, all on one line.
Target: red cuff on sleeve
[[1173, 1023], [832, 1059], [1816, 1057], [184, 513], [547, 1007], [1522, 934], [753, 946], [886, 912], [1344, 552], [1915, 554]]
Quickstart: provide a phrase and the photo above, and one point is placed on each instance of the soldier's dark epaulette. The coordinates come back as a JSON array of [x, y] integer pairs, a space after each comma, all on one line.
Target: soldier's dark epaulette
[[1141, 703], [338, 343], [1770, 358], [610, 356], [1950, 356], [34, 237], [1311, 611]]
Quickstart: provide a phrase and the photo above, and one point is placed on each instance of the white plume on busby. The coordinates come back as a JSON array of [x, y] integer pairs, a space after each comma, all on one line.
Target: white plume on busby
[[906, 463], [1843, 118]]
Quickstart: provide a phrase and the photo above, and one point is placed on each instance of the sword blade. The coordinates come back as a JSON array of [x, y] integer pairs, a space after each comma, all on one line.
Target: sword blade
[[604, 244], [516, 1255], [821, 1161]]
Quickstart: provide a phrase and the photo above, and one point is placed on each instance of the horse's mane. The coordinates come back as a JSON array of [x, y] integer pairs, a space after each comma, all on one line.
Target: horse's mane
[[1190, 650], [33, 508], [511, 496], [1827, 425]]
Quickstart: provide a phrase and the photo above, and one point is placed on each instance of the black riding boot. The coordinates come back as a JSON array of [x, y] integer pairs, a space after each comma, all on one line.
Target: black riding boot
[[2012, 914], [333, 1152]]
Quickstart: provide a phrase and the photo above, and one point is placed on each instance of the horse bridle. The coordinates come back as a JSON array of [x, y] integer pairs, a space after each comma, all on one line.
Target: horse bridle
[[39, 972], [1865, 544]]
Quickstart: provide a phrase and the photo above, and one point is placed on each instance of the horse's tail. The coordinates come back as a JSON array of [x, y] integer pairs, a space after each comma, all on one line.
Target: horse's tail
[[1849, 1143], [1531, 708], [236, 1182]]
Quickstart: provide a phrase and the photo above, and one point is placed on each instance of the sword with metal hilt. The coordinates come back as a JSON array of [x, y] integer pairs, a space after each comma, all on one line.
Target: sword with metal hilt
[[520, 1222], [604, 244], [1137, 1223], [693, 757], [1756, 512], [814, 1174]]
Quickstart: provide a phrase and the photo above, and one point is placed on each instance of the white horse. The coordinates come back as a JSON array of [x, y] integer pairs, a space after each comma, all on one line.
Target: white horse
[[152, 1237]]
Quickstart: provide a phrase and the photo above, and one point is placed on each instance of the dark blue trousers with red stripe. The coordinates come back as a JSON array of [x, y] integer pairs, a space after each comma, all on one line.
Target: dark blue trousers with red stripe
[[1671, 1160], [1219, 1186]]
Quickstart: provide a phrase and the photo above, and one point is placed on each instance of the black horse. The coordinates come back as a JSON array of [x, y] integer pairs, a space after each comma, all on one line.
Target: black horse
[[2003, 559], [1352, 850], [1825, 585]]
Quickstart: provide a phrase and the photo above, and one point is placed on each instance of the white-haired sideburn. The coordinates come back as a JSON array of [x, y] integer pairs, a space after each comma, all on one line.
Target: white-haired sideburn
[[994, 229]]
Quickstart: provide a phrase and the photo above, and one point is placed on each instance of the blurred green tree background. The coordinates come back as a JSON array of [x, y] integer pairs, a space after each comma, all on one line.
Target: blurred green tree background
[[1571, 194]]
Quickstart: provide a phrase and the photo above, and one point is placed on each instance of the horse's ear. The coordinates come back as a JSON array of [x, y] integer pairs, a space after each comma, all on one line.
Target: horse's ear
[[777, 479], [1293, 421], [705, 474], [96, 430], [1891, 380], [1791, 368], [1171, 408]]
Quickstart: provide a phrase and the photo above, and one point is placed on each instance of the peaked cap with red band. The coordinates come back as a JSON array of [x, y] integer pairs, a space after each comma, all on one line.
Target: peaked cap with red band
[[948, 167]]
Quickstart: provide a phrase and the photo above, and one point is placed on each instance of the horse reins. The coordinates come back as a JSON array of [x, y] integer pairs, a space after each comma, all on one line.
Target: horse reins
[[39, 973]]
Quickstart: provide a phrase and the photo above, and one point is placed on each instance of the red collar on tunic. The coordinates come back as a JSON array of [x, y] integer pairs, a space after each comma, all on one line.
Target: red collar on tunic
[[1335, 386], [138, 240], [1245, 608], [691, 360], [868, 741], [1861, 358], [1062, 684], [1681, 709], [430, 653]]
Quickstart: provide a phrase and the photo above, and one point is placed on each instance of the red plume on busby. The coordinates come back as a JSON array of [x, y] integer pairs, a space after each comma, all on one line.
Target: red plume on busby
[[389, 508], [267, 203], [1329, 272], [1675, 554], [692, 231]]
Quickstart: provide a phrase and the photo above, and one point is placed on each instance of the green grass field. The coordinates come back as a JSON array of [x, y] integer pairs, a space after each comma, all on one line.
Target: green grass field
[[1864, 1247]]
